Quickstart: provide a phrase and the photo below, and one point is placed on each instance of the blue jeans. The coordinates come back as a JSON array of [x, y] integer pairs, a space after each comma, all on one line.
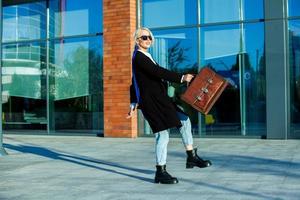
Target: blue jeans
[[162, 139]]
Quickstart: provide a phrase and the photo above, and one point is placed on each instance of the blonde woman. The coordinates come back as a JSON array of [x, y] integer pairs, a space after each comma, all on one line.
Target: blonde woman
[[148, 93]]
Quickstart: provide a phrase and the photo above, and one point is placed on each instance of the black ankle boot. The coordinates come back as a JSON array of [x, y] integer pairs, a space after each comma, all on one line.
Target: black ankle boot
[[194, 160], [162, 176]]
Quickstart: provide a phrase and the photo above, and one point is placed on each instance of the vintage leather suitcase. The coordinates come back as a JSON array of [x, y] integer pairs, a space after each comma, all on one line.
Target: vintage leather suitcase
[[204, 90]]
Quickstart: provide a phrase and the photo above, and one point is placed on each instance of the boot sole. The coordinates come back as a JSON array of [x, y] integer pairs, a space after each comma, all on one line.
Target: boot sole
[[192, 165], [165, 182]]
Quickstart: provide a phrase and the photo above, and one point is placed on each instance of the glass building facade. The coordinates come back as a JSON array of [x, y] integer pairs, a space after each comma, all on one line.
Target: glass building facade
[[231, 38], [227, 38], [52, 66], [52, 63]]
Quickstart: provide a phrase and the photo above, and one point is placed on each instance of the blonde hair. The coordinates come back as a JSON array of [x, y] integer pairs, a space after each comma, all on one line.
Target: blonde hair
[[138, 32]]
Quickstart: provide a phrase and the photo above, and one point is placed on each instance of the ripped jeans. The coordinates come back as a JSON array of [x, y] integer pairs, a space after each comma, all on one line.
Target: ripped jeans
[[162, 139]]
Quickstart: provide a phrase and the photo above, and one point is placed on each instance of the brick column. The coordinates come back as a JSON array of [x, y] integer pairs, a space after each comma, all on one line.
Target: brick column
[[119, 24]]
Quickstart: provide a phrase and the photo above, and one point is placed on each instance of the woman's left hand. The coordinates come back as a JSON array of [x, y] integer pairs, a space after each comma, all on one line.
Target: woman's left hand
[[131, 111], [188, 77]]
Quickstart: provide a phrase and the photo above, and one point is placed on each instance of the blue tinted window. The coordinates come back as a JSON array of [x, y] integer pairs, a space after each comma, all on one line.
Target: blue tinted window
[[24, 85], [220, 49], [74, 60], [24, 22], [294, 8], [159, 13], [220, 41], [294, 58], [176, 49], [253, 9], [237, 53], [254, 43], [76, 82], [75, 17], [24, 70], [216, 11], [253, 64]]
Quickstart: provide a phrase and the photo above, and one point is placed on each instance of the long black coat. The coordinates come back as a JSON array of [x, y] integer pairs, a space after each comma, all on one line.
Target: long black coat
[[157, 107]]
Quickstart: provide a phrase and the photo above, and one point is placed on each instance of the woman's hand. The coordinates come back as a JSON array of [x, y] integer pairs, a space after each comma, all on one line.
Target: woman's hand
[[188, 77], [129, 114], [133, 107]]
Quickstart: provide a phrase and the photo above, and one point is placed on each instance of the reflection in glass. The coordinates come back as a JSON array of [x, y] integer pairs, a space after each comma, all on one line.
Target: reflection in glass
[[169, 13], [293, 7], [253, 61], [75, 17], [176, 51], [232, 10], [220, 49], [237, 53], [24, 21], [24, 86], [220, 41], [294, 37], [215, 11], [76, 84]]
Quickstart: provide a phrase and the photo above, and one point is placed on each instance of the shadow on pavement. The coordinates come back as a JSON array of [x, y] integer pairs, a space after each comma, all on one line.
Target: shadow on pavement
[[251, 164], [76, 159], [227, 189]]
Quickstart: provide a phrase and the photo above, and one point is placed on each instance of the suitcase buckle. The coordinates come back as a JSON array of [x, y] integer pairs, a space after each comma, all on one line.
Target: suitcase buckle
[[198, 98], [204, 90], [210, 81]]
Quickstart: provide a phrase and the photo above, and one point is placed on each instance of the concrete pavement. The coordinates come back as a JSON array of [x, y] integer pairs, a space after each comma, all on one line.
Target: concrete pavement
[[77, 167]]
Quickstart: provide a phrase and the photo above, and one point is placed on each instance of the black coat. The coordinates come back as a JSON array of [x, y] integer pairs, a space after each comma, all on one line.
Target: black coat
[[157, 107]]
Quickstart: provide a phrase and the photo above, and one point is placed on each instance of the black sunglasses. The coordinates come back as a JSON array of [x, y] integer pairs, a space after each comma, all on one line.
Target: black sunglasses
[[145, 37]]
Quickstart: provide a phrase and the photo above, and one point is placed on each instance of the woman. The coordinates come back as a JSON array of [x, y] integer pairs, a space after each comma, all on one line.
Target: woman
[[148, 92]]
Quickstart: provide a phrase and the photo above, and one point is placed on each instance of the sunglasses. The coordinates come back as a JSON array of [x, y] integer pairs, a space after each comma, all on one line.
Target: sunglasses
[[145, 37]]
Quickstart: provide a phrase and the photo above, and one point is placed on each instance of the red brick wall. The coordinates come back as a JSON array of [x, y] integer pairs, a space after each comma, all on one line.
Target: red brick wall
[[119, 24]]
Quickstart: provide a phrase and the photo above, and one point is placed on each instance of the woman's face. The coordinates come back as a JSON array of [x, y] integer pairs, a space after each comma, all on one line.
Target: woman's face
[[145, 40]]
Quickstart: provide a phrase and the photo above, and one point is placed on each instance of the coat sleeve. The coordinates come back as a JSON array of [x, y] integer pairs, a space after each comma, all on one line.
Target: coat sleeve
[[133, 98], [144, 63]]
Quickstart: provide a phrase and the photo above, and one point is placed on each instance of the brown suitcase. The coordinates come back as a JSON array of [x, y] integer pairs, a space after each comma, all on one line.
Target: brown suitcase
[[204, 90]]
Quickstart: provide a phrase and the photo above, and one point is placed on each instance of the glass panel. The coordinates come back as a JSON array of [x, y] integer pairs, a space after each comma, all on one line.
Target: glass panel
[[294, 36], [76, 85], [24, 21], [253, 9], [220, 50], [217, 11], [87, 13], [24, 86], [294, 6], [179, 12], [176, 50], [254, 83]]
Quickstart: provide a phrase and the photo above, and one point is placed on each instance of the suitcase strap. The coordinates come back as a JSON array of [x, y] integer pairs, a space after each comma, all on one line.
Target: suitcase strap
[[204, 90]]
